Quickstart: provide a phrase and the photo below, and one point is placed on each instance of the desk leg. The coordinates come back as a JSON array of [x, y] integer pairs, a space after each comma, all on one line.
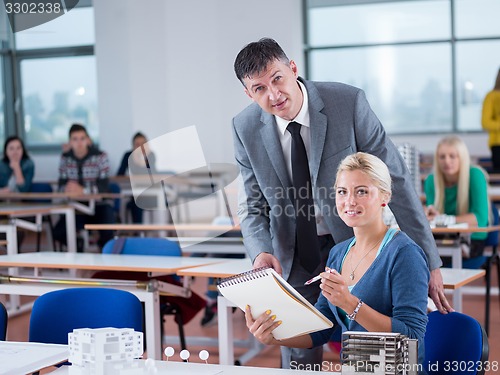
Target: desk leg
[[10, 231], [70, 230], [226, 344], [152, 314], [456, 262]]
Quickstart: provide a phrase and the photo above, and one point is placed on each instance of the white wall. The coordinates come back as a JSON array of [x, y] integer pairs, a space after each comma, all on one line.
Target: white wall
[[162, 66]]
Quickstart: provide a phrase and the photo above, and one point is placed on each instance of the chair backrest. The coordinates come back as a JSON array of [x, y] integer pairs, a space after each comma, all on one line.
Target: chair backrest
[[455, 338], [41, 187], [57, 313], [115, 189], [142, 246], [4, 318]]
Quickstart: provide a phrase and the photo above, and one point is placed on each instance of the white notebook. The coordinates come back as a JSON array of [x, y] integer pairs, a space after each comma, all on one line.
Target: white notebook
[[264, 289]]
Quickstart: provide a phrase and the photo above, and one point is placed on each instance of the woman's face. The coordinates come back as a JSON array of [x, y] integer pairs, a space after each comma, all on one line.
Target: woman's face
[[358, 200], [14, 150], [448, 161]]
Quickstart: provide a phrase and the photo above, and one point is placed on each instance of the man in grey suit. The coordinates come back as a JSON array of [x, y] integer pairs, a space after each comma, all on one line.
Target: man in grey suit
[[336, 121]]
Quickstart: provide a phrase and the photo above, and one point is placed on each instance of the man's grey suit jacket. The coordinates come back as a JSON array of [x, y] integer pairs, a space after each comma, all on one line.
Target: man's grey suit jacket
[[341, 123]]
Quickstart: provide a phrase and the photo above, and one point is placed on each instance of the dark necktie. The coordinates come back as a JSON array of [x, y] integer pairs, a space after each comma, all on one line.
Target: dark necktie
[[306, 244]]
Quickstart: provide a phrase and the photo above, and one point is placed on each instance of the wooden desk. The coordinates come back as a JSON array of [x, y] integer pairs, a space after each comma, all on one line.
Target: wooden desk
[[74, 200], [84, 261], [16, 212], [453, 279], [210, 243], [155, 227], [27, 357], [452, 249]]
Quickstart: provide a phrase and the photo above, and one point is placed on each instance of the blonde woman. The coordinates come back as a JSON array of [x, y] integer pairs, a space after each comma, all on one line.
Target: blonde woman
[[375, 281], [458, 189], [491, 122]]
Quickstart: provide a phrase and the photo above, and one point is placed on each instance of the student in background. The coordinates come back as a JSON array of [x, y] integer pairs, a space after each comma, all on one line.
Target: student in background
[[16, 167], [375, 281], [491, 122], [139, 162], [84, 169], [458, 189]]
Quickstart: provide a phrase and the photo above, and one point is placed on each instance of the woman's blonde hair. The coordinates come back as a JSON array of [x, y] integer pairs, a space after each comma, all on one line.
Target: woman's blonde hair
[[463, 176], [375, 168]]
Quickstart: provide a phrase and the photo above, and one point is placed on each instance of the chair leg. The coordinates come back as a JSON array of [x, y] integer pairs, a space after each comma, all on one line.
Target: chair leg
[[488, 293], [182, 337], [38, 240]]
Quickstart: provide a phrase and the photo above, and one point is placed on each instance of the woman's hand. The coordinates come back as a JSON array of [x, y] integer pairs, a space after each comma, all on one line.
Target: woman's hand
[[431, 212], [335, 290], [262, 327]]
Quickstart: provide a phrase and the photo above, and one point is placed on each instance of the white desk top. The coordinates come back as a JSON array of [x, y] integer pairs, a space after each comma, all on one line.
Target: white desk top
[[453, 278], [27, 357], [141, 367], [28, 209], [226, 268], [109, 262]]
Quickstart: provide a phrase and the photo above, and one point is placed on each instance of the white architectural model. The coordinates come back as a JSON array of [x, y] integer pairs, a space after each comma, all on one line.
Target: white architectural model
[[382, 353], [91, 346]]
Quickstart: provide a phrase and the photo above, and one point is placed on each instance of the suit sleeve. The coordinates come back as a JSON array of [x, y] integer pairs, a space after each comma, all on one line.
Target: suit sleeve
[[405, 203], [253, 209]]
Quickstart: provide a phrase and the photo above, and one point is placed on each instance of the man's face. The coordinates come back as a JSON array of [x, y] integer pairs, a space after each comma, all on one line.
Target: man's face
[[79, 143], [276, 90]]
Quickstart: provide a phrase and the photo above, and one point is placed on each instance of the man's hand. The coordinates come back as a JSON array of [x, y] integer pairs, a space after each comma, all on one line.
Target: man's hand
[[267, 260], [436, 292]]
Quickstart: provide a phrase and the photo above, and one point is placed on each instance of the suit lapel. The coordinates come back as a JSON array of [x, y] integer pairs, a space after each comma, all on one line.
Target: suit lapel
[[318, 128], [272, 145]]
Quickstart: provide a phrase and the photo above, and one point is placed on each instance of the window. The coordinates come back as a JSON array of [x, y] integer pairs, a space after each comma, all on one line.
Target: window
[[74, 28], [419, 62], [2, 110], [50, 74], [56, 93], [407, 86]]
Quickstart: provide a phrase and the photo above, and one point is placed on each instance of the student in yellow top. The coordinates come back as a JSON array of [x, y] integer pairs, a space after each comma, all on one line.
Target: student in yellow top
[[458, 189], [491, 122]]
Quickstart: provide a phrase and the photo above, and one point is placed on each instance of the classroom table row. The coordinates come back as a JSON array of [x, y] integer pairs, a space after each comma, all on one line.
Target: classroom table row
[[38, 284]]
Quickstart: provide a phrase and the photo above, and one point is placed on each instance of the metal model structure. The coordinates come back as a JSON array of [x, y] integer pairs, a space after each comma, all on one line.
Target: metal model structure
[[378, 353]]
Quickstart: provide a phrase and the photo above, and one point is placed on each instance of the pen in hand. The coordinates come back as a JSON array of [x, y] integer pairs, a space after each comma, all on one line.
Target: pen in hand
[[318, 277]]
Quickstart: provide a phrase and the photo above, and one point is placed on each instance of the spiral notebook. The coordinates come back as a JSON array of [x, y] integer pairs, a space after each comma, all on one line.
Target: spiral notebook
[[264, 289]]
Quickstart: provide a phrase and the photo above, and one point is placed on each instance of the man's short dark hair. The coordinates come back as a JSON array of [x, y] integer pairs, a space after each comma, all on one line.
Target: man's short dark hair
[[255, 57], [77, 128]]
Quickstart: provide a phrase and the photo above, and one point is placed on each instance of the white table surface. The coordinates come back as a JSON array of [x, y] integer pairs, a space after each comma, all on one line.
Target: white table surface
[[27, 357], [110, 262], [142, 367], [139, 263]]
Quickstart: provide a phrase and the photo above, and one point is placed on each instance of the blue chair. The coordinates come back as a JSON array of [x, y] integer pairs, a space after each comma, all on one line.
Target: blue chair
[[43, 187], [57, 313], [184, 309], [4, 318], [455, 339], [486, 262]]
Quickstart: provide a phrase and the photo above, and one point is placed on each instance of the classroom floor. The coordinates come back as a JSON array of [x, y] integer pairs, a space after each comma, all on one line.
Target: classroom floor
[[270, 356]]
